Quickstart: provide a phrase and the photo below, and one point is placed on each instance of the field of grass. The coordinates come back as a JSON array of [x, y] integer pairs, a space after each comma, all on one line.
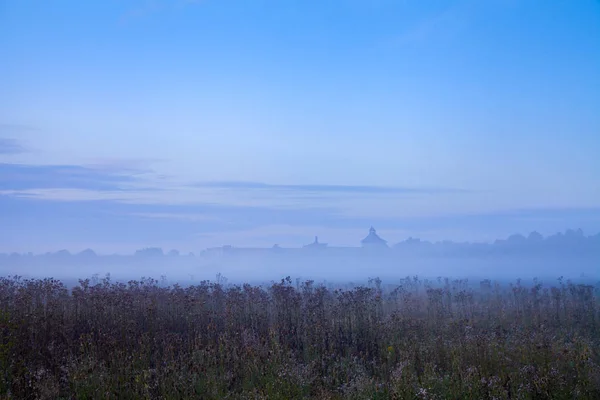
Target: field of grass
[[418, 339]]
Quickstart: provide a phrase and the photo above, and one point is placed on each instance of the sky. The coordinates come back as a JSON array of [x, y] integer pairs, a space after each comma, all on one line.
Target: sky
[[191, 124]]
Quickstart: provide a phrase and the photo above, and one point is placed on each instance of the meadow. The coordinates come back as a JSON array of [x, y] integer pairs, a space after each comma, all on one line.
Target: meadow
[[413, 339]]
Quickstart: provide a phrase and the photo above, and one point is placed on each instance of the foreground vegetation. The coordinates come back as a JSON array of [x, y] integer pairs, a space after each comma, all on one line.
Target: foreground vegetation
[[418, 339]]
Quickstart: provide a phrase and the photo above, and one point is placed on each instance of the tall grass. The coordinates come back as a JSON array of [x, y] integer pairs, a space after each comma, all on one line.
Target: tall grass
[[418, 339]]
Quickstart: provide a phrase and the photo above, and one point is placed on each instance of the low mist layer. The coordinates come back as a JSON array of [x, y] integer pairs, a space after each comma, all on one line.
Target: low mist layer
[[570, 254]]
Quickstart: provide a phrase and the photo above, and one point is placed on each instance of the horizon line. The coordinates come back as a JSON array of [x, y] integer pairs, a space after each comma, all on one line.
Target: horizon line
[[578, 232]]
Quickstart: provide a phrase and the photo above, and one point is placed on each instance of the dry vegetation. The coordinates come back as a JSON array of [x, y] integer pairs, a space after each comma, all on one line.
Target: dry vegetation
[[419, 339]]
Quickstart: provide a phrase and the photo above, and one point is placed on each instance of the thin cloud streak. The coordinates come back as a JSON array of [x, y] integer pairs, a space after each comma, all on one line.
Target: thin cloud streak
[[21, 177], [10, 146], [350, 189], [133, 166]]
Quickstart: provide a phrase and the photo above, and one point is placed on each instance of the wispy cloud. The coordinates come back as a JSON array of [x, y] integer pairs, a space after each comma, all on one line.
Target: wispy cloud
[[248, 201], [349, 189], [133, 166], [19, 177], [14, 138], [11, 146]]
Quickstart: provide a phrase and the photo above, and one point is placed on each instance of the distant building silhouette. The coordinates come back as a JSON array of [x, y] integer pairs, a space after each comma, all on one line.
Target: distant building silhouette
[[373, 240], [572, 242], [316, 244]]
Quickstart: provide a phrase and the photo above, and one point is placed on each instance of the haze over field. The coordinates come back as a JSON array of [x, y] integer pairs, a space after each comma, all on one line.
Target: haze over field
[[300, 199], [571, 255], [196, 124]]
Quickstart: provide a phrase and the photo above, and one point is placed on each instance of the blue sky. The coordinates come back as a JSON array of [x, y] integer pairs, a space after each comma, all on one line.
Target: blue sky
[[198, 123]]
